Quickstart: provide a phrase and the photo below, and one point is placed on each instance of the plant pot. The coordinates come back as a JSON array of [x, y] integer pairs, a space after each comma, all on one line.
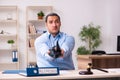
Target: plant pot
[[82, 61], [40, 17]]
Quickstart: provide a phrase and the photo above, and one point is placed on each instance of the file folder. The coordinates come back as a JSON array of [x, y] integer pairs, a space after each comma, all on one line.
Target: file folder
[[41, 71]]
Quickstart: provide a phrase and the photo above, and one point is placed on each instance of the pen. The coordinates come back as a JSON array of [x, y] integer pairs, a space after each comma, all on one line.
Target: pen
[[102, 70]]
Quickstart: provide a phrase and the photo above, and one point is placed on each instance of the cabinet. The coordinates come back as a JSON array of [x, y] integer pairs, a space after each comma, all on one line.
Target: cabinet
[[106, 61], [99, 61], [35, 27], [9, 53]]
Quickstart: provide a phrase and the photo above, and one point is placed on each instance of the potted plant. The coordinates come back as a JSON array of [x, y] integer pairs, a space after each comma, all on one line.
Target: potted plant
[[90, 34], [11, 42], [40, 15]]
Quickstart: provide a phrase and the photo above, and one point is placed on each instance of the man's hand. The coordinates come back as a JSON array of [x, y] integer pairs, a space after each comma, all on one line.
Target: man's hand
[[56, 54], [62, 53], [56, 51]]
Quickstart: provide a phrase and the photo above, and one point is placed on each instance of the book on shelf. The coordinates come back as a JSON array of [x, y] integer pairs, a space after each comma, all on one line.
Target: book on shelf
[[31, 42], [14, 56], [31, 29]]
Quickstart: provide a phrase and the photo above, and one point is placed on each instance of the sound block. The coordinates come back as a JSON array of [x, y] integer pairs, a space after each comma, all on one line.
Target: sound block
[[85, 72]]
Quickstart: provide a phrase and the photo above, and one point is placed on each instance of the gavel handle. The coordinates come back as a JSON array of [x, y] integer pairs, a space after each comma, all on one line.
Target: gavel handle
[[102, 70]]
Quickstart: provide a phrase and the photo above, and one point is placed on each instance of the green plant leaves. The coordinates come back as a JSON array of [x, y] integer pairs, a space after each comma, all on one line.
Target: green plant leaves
[[82, 50], [40, 13], [90, 34], [10, 41]]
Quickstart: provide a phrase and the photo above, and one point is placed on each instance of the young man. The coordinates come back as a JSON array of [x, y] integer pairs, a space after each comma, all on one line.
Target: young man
[[47, 43]]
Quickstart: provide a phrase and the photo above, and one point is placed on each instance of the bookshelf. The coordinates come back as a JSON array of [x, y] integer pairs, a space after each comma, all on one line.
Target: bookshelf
[[35, 27], [8, 31]]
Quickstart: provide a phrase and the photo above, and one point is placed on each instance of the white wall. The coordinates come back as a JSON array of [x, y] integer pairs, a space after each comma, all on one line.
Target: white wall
[[75, 14], [107, 14]]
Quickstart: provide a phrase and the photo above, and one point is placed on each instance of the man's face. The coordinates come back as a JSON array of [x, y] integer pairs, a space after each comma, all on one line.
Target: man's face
[[53, 24]]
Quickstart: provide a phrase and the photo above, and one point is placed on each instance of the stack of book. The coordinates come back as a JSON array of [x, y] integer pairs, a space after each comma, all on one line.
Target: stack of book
[[31, 42], [32, 29]]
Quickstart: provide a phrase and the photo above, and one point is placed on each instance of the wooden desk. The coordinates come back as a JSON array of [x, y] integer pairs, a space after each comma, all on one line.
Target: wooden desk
[[99, 61], [69, 75]]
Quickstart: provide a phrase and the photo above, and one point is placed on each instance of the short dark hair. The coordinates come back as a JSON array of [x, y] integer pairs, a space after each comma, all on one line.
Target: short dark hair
[[52, 14]]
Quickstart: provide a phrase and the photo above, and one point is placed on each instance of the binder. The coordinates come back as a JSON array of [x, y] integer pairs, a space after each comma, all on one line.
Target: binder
[[14, 56], [41, 71]]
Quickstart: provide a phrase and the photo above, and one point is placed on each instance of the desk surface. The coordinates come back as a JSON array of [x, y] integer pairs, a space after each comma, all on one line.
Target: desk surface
[[97, 56], [70, 74], [103, 56]]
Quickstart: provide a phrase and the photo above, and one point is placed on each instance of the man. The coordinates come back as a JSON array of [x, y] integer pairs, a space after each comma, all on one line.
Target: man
[[46, 44]]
